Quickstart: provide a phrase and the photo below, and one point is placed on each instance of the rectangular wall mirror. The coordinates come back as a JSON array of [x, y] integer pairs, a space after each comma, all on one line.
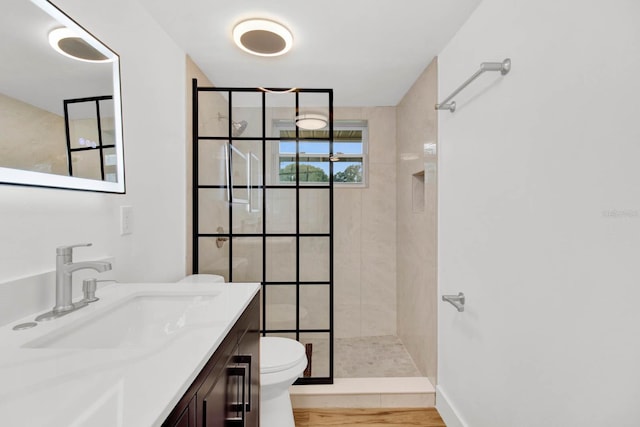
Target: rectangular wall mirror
[[60, 106]]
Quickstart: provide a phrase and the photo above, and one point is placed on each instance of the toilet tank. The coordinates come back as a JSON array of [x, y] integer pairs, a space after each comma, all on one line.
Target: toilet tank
[[202, 278]]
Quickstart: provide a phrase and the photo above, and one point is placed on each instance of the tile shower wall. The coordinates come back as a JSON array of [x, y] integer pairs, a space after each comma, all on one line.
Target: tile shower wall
[[364, 235], [17, 134], [416, 231]]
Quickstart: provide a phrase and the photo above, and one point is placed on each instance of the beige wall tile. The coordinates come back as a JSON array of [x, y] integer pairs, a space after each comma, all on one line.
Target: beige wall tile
[[347, 303], [364, 239], [347, 216], [378, 290], [416, 229], [382, 134]]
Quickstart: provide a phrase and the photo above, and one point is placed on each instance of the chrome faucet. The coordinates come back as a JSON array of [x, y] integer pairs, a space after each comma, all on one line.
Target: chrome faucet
[[64, 271]]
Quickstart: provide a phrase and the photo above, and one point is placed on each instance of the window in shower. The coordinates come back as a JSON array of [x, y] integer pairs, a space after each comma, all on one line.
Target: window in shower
[[263, 207], [349, 156]]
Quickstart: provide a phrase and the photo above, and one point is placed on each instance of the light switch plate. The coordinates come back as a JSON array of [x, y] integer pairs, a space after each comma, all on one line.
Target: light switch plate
[[126, 220]]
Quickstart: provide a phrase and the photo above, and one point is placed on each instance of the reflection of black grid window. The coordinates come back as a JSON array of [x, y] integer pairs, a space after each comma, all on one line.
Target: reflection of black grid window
[[349, 155]]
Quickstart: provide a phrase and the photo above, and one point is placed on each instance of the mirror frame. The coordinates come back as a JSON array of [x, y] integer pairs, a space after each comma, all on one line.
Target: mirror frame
[[39, 179]]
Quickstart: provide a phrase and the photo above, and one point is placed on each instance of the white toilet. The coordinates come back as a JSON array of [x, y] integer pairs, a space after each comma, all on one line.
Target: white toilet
[[282, 361], [202, 278]]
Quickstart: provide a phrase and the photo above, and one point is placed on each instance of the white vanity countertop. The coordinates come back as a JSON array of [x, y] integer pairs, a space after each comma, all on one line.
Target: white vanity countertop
[[130, 385]]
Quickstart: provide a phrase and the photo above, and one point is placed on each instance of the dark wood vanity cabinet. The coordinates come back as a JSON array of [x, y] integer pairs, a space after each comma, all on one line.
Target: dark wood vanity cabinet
[[226, 393]]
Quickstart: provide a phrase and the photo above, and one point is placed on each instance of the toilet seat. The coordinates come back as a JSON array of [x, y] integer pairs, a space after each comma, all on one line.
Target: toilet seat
[[279, 354]]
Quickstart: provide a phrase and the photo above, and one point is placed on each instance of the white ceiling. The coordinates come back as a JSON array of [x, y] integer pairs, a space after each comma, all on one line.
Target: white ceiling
[[368, 51]]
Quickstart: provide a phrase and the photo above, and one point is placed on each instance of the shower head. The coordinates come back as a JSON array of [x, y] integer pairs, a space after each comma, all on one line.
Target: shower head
[[237, 128]]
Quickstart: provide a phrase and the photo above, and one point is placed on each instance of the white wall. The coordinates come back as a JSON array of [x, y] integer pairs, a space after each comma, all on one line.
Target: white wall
[[34, 221], [540, 217]]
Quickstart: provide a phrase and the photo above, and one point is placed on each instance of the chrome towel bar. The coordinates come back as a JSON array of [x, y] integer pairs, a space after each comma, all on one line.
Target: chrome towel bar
[[504, 67], [456, 300]]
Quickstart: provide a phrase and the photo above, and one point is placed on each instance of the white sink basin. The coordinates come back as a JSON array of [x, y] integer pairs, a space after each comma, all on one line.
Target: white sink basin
[[138, 321]]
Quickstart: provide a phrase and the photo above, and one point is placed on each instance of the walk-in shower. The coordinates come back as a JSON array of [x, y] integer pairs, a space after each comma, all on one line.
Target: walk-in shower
[[263, 207]]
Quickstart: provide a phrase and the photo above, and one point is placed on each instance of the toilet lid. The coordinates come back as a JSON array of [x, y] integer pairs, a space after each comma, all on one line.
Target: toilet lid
[[279, 354]]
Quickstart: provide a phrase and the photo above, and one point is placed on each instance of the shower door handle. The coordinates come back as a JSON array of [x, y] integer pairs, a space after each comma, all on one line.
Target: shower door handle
[[456, 300]]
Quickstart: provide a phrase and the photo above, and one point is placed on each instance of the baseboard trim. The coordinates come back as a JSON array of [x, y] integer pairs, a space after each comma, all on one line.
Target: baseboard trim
[[447, 410], [410, 392]]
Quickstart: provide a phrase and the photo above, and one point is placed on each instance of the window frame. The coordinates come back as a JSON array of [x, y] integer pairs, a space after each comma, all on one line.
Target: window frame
[[338, 125]]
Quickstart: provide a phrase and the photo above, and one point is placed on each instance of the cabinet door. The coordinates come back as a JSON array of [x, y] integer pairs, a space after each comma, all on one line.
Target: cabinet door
[[249, 357], [214, 411]]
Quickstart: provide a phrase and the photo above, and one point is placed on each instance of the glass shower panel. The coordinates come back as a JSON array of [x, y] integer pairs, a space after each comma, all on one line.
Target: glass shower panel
[[280, 112], [247, 259], [281, 259], [213, 259], [314, 210], [315, 103], [272, 154], [256, 182], [213, 211], [245, 221], [314, 169], [281, 303], [212, 162], [239, 175], [318, 346], [314, 306], [213, 110], [275, 228], [280, 206], [246, 114], [281, 334], [247, 217], [314, 259]]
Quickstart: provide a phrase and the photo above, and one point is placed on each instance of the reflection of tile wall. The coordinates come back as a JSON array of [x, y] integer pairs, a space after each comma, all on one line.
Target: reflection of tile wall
[[416, 230], [364, 235], [36, 148]]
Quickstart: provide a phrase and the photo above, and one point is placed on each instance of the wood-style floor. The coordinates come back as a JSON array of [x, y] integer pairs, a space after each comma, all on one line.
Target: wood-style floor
[[422, 417]]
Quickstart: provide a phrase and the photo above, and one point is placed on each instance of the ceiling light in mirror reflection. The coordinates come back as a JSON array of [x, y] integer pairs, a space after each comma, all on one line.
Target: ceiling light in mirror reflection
[[68, 43]]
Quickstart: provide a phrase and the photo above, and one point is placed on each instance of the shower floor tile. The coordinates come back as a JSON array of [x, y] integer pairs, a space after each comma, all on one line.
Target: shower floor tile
[[365, 357]]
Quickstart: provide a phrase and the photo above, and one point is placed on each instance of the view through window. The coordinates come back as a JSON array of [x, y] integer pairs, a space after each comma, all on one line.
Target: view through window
[[349, 154]]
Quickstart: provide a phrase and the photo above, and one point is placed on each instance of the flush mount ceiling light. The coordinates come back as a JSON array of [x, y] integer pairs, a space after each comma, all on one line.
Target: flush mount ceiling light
[[311, 121], [66, 42], [262, 37]]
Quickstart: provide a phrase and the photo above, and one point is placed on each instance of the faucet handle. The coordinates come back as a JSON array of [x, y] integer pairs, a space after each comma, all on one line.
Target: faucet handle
[[68, 250]]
